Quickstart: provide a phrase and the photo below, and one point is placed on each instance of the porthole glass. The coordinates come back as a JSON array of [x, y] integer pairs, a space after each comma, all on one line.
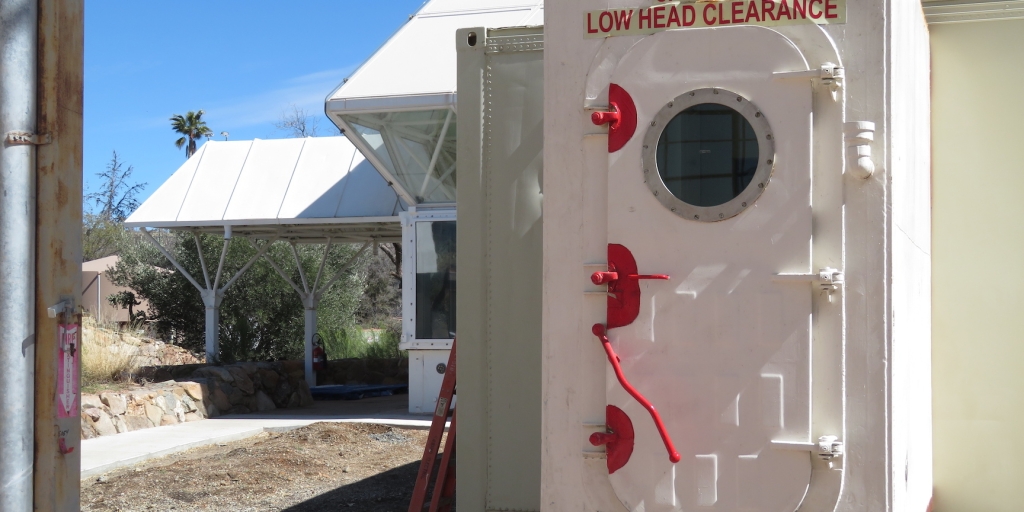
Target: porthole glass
[[707, 154]]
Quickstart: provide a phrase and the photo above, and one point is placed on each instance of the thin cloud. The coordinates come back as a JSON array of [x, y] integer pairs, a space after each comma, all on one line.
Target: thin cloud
[[305, 92]]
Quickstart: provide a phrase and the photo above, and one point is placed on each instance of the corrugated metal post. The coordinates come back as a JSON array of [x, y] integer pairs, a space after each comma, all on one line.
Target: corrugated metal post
[[58, 245], [17, 263]]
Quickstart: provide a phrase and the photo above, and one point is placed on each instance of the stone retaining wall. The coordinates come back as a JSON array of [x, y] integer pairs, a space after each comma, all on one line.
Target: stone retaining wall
[[210, 391]]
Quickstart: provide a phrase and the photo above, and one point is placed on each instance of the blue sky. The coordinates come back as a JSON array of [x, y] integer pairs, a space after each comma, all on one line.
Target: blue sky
[[243, 62]]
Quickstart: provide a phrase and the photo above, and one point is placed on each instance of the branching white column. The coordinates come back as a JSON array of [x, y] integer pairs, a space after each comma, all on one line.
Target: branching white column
[[212, 294], [310, 296]]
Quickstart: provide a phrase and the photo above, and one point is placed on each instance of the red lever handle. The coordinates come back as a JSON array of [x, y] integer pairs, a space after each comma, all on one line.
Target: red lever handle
[[601, 334], [599, 438], [613, 116], [607, 277]]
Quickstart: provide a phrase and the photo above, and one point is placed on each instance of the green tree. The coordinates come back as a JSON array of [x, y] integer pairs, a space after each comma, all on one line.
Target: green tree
[[126, 300], [191, 127]]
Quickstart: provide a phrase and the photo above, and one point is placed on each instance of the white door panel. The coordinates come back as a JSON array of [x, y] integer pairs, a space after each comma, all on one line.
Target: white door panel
[[721, 349]]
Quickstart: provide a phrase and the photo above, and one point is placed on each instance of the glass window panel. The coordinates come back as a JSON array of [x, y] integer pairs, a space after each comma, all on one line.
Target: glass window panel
[[406, 143], [707, 154], [435, 280]]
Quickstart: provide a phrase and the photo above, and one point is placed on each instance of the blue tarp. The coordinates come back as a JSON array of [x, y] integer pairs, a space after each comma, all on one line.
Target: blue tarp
[[357, 392]]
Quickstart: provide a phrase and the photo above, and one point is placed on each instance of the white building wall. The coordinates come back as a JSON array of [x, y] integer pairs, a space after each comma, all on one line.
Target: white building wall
[[978, 240]]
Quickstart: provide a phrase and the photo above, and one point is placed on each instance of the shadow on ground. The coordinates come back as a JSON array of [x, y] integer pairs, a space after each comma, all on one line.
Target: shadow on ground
[[389, 491]]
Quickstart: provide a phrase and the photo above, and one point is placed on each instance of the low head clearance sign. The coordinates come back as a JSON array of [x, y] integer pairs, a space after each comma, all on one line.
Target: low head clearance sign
[[675, 15]]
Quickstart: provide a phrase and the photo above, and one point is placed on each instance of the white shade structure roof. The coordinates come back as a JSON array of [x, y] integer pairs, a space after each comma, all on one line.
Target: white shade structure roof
[[298, 189], [416, 68]]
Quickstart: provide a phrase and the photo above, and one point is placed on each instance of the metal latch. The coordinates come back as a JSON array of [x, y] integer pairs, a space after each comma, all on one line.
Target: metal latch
[[828, 279], [828, 75], [21, 138], [827, 447]]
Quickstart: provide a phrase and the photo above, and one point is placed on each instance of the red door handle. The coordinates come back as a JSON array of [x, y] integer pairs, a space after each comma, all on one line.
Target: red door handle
[[607, 277], [611, 117], [601, 333]]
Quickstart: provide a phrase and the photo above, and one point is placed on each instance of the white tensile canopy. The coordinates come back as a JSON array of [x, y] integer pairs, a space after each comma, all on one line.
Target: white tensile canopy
[[312, 190], [297, 189], [398, 108]]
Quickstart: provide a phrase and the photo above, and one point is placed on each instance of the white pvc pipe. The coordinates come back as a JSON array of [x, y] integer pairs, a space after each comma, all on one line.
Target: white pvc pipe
[[18, 19]]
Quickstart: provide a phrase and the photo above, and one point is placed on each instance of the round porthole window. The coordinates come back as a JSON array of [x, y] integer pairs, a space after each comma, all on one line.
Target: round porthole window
[[708, 155]]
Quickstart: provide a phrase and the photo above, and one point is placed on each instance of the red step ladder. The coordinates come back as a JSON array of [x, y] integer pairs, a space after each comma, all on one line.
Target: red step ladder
[[444, 485]]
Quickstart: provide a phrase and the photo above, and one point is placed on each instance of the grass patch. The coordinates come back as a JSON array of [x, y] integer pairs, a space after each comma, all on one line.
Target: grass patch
[[355, 342], [107, 363]]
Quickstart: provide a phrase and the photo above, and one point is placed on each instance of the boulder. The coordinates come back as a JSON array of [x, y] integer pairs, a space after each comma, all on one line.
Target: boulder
[[250, 368], [216, 372], [264, 403], [92, 413], [89, 401], [305, 397], [194, 388], [242, 380], [192, 417], [137, 423], [115, 402], [294, 401], [281, 394], [154, 413], [168, 419], [269, 379], [120, 424], [220, 399], [104, 426]]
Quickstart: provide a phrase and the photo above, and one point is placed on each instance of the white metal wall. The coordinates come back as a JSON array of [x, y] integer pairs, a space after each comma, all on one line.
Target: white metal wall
[[976, 119]]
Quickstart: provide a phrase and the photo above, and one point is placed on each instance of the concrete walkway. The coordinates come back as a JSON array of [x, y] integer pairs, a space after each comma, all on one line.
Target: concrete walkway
[[105, 453]]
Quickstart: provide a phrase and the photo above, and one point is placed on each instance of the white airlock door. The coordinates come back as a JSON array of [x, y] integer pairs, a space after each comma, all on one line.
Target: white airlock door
[[713, 191]]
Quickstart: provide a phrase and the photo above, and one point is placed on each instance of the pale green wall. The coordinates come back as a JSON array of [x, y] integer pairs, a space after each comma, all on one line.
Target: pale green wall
[[978, 251]]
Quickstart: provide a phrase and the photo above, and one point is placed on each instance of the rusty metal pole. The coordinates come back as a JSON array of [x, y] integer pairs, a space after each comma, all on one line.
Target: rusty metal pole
[[17, 264], [58, 252]]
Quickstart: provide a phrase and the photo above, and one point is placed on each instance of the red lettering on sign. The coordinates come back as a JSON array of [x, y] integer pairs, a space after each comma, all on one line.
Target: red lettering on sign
[[709, 21], [659, 16], [645, 17], [830, 8], [673, 17], [800, 7], [784, 10], [622, 19], [737, 12], [590, 25], [722, 20], [810, 8], [752, 12], [689, 15], [768, 10], [605, 16]]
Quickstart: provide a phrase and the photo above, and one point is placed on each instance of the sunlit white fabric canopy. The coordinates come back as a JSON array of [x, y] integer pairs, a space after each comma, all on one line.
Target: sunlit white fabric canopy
[[399, 106], [303, 190], [297, 190]]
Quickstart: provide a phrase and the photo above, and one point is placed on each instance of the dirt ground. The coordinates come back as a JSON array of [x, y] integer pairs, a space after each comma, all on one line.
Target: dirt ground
[[325, 466]]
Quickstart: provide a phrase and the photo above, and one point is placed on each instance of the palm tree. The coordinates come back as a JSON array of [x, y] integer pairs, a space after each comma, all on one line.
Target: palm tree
[[192, 127]]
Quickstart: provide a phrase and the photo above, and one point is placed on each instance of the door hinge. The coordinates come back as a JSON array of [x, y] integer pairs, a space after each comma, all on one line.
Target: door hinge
[[22, 138], [827, 447]]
